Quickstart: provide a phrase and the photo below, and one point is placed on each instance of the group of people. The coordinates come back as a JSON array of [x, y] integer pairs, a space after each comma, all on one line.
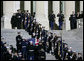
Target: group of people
[[20, 19], [52, 20], [73, 19], [40, 43], [27, 49]]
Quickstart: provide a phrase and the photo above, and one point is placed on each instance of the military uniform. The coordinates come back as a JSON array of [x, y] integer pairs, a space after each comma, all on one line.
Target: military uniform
[[51, 20], [31, 52], [61, 19], [41, 52], [73, 22], [24, 51], [65, 52], [18, 43]]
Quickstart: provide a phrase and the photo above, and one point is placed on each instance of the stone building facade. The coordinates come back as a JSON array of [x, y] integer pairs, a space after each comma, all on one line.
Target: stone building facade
[[42, 9]]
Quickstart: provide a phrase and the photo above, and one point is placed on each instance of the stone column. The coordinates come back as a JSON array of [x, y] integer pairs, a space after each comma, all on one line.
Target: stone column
[[34, 6], [7, 11], [27, 5], [9, 7], [56, 9], [16, 6], [81, 9], [81, 5], [41, 12], [69, 7]]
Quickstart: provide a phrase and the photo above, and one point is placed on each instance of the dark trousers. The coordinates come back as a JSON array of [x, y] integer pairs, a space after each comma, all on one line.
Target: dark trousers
[[19, 25], [60, 25], [24, 52], [52, 25], [30, 57], [19, 48], [72, 25]]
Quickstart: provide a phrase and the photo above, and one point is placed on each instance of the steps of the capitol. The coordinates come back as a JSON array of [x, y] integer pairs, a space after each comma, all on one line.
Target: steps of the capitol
[[74, 38], [10, 35]]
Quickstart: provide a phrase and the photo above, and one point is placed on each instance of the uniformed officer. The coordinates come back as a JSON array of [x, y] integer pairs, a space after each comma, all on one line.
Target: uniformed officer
[[73, 22], [50, 43], [31, 51], [52, 20], [18, 42], [65, 49], [41, 52], [24, 46], [61, 19]]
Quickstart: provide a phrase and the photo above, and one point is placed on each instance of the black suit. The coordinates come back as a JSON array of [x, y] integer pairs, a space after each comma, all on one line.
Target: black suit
[[18, 43], [19, 20], [13, 21], [73, 22]]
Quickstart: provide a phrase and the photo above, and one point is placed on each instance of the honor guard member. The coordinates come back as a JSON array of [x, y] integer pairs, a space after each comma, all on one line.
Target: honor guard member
[[24, 47], [18, 42], [41, 52], [52, 20], [56, 52], [65, 49], [61, 19], [73, 21], [31, 51]]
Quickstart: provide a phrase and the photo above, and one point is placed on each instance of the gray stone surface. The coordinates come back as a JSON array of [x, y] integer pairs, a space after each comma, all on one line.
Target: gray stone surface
[[10, 35], [2, 22], [50, 57]]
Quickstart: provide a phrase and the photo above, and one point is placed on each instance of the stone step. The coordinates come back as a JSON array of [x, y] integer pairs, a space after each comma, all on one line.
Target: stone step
[[50, 57], [10, 35]]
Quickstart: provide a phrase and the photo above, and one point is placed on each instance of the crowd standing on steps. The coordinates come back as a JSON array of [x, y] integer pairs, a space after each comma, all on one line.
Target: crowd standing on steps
[[40, 43]]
